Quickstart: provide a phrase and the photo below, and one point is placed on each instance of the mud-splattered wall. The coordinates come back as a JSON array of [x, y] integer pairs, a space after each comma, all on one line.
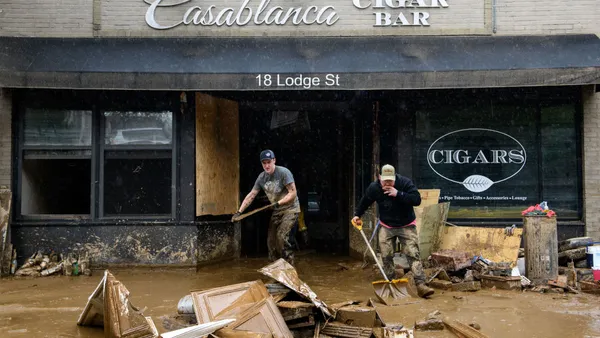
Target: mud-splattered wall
[[131, 244]]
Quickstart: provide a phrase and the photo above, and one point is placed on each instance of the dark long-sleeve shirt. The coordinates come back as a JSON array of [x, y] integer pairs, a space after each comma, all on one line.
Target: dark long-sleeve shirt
[[393, 211]]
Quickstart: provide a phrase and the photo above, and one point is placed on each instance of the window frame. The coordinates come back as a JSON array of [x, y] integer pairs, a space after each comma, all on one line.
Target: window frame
[[97, 102], [543, 97]]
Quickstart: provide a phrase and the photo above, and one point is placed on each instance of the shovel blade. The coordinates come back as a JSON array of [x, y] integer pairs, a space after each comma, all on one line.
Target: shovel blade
[[392, 292]]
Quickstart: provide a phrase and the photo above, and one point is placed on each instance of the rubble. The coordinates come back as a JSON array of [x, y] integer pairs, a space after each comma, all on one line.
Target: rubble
[[109, 307], [429, 325], [40, 264]]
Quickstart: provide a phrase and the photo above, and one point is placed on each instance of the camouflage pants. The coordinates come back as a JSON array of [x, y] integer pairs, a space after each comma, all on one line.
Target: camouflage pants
[[278, 238], [410, 247]]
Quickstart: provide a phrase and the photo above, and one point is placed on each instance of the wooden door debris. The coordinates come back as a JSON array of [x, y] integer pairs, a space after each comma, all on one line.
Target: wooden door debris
[[285, 274]]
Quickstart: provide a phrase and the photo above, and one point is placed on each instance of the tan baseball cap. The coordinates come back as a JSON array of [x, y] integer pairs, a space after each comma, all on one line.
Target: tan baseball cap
[[388, 172]]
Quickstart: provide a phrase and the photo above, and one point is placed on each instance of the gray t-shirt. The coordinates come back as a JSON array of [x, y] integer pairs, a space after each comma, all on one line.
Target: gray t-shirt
[[274, 187]]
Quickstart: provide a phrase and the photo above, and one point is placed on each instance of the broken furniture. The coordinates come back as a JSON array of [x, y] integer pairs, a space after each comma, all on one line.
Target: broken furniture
[[109, 307]]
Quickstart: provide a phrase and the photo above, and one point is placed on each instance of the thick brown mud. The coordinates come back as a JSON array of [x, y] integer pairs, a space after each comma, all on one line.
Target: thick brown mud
[[50, 306]]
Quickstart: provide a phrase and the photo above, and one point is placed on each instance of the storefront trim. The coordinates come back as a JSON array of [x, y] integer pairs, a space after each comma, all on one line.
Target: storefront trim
[[360, 63]]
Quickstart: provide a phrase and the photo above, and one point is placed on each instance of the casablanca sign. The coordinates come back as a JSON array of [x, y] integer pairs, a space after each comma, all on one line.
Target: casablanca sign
[[476, 158], [392, 13]]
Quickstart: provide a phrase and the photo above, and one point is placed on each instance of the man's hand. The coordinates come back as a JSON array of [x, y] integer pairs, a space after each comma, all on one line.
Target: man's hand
[[236, 215], [357, 223], [390, 191]]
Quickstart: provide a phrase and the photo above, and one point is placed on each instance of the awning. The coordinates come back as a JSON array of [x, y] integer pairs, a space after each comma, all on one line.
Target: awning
[[299, 63]]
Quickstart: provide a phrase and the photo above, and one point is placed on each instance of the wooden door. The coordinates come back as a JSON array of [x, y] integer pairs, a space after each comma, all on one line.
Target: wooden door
[[217, 156]]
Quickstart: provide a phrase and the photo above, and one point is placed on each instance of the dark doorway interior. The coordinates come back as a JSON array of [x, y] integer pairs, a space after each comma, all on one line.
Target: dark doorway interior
[[315, 143]]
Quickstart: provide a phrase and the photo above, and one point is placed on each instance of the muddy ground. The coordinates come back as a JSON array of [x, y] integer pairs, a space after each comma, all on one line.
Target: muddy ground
[[50, 306]]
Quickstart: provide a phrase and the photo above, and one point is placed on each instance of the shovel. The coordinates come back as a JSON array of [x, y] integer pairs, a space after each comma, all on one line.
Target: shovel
[[390, 292], [242, 216]]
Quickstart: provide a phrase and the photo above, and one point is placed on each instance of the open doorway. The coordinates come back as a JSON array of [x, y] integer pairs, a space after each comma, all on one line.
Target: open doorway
[[312, 138]]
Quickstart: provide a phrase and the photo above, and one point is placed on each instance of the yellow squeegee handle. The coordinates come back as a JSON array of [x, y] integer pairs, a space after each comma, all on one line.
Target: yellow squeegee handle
[[373, 253]]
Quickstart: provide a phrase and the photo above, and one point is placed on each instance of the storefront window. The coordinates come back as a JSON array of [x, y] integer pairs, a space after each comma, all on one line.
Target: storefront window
[[134, 127], [52, 127], [56, 167], [493, 157], [96, 163], [137, 172]]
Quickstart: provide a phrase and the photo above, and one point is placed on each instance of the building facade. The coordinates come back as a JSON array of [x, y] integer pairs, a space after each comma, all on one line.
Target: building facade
[[132, 129]]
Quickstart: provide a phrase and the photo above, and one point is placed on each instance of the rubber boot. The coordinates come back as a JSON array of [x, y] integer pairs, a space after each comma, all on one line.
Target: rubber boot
[[424, 290]]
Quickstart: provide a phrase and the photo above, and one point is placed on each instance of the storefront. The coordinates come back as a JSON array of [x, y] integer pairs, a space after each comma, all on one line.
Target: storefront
[[134, 128]]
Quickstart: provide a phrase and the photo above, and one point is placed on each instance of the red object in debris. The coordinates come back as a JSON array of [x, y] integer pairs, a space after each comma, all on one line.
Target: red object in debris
[[596, 272]]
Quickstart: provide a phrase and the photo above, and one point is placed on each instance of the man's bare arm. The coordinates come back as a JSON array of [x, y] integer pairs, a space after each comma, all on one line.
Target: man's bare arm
[[291, 195], [248, 200]]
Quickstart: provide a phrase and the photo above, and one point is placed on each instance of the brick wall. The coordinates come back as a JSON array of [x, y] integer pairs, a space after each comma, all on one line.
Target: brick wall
[[67, 18], [591, 160], [548, 17], [75, 18], [5, 137]]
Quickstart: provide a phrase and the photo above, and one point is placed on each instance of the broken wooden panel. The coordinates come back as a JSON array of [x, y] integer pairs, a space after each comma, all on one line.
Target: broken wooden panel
[[501, 282], [263, 317], [430, 225], [466, 286], [463, 330], [451, 260], [121, 318], [229, 333], [217, 156], [291, 310], [93, 312], [342, 330], [5, 251], [429, 197], [356, 315], [198, 330], [210, 303], [285, 273], [492, 244]]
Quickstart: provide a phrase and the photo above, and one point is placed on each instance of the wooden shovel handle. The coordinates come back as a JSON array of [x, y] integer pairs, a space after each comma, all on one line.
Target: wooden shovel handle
[[242, 216]]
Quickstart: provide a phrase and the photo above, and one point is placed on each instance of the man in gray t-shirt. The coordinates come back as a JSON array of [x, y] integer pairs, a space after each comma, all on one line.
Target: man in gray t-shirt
[[278, 184]]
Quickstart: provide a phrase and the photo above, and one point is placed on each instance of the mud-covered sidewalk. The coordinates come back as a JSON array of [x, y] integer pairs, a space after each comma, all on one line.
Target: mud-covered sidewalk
[[50, 306]]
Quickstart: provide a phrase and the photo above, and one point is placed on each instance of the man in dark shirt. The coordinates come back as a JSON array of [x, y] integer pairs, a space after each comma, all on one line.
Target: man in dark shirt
[[396, 196]]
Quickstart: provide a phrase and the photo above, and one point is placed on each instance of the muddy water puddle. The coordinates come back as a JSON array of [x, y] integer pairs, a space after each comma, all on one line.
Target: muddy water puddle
[[50, 306]]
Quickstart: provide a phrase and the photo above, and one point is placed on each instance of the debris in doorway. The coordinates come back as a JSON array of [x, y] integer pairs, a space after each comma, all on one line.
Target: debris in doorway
[[108, 306]]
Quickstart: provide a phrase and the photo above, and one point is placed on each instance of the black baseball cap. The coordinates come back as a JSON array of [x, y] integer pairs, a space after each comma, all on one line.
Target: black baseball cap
[[267, 155]]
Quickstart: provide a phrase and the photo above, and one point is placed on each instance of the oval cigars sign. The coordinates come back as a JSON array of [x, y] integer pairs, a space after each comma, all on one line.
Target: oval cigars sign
[[476, 158]]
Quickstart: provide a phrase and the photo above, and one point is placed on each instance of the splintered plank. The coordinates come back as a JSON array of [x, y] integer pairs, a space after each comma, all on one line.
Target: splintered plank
[[462, 330], [491, 243]]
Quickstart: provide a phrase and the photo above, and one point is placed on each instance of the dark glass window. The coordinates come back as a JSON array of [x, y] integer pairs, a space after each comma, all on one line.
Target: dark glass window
[[492, 157], [137, 173], [95, 155], [54, 127]]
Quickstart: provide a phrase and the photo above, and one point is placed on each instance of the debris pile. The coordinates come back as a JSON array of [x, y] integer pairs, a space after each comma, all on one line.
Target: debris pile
[[285, 306], [577, 262], [454, 270], [39, 265]]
